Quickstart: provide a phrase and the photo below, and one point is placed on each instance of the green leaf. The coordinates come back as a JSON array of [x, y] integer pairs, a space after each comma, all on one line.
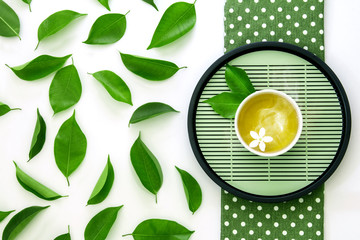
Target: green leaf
[[177, 20], [192, 190], [151, 2], [226, 103], [9, 21], [65, 236], [39, 67], [150, 110], [156, 229], [28, 2], [107, 29], [100, 225], [115, 86], [55, 22], [33, 186], [146, 166], [39, 136], [148, 68], [65, 89], [69, 147], [105, 3], [18, 222], [4, 109], [3, 215], [238, 81], [103, 185]]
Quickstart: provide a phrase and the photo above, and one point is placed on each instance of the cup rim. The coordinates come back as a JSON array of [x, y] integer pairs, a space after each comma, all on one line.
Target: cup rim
[[298, 113]]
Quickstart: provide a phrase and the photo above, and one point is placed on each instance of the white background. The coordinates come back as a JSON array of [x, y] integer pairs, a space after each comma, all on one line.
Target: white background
[[104, 121]]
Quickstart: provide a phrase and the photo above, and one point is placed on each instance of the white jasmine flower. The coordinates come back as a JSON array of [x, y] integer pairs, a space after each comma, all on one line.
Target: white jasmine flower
[[260, 139]]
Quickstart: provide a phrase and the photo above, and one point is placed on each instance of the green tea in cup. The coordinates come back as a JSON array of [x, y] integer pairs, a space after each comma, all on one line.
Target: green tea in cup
[[268, 123]]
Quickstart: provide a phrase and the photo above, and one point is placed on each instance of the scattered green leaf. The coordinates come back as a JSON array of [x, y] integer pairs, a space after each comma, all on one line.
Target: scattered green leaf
[[150, 110], [4, 109], [33, 186], [65, 236], [100, 225], [9, 21], [151, 2], [103, 185], [39, 136], [65, 89], [3, 215], [107, 29], [28, 2], [55, 22], [177, 20], [114, 85], [226, 103], [148, 68], [18, 222], [146, 166], [238, 81], [105, 3], [39, 67], [69, 147], [156, 229], [192, 190]]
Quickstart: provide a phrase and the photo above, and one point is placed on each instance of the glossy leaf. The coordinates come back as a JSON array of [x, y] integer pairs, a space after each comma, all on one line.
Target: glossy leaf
[[65, 89], [176, 21], [103, 185], [107, 29], [148, 68], [151, 2], [226, 103], [100, 225], [146, 166], [150, 110], [69, 147], [55, 22], [39, 67], [18, 222], [65, 236], [105, 3], [4, 109], [9, 21], [28, 2], [192, 190], [238, 81], [114, 85], [156, 229], [33, 186], [3, 215], [39, 136]]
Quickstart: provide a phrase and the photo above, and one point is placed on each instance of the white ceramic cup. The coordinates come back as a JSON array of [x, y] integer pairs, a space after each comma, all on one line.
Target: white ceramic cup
[[299, 116]]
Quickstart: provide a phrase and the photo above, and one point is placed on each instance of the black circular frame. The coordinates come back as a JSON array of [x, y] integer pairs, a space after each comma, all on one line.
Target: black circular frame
[[284, 47]]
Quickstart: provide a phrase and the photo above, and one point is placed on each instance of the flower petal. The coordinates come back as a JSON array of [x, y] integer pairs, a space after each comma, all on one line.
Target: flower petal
[[254, 143], [267, 139], [262, 132], [254, 135], [262, 146]]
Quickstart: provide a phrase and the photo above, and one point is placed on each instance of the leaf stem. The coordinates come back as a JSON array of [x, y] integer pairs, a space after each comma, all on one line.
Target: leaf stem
[[156, 198], [125, 235], [127, 13], [29, 7], [183, 67], [194, 2], [67, 179], [11, 109]]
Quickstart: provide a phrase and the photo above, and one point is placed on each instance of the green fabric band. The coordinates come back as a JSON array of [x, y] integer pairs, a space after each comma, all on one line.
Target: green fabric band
[[299, 22]]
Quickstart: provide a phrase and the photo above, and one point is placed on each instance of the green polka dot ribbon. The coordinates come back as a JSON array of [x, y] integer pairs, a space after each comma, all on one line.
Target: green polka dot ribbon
[[299, 22]]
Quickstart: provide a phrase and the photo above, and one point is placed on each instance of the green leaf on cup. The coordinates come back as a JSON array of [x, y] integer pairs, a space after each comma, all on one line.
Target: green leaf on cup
[[155, 229], [39, 136], [114, 85], [28, 2], [100, 225], [151, 2], [55, 22], [176, 21], [65, 236], [33, 186], [192, 190], [9, 21], [148, 68], [105, 3], [107, 29], [103, 186], [226, 103], [150, 110], [146, 166], [238, 81], [69, 147], [39, 67], [65, 89], [3, 215], [4, 109], [18, 222]]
